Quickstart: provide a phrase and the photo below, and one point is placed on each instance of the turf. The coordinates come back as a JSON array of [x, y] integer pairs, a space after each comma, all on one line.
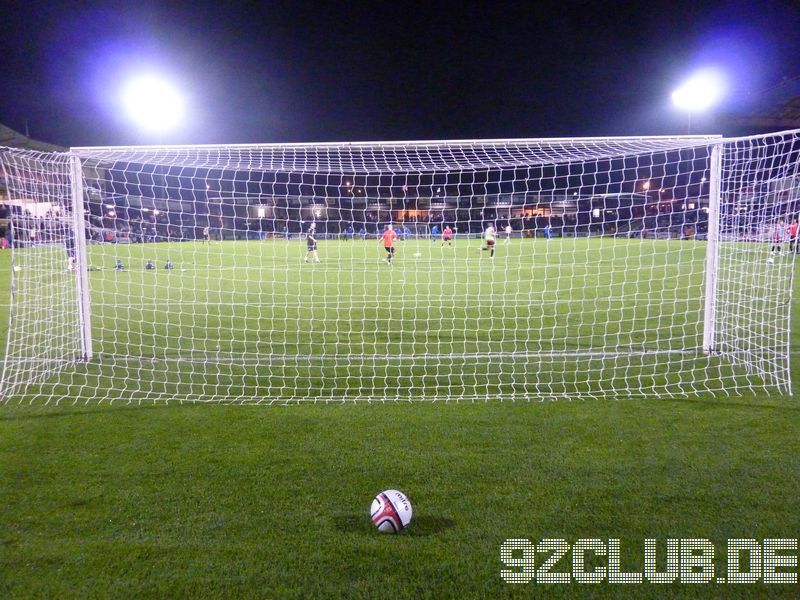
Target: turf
[[251, 322], [250, 501]]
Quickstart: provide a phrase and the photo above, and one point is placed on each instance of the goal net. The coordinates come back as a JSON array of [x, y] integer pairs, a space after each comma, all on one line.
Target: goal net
[[515, 269]]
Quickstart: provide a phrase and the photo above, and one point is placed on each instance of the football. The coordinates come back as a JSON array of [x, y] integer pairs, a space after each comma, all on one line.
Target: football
[[391, 511]]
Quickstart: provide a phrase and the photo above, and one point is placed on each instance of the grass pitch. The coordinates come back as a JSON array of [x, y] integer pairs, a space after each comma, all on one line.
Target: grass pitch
[[252, 322], [249, 501]]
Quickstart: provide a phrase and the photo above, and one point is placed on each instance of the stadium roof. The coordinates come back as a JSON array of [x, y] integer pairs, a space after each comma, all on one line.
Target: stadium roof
[[775, 108], [14, 139]]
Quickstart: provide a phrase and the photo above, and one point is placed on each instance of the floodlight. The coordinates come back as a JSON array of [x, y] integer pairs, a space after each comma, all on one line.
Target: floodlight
[[700, 92], [153, 103]]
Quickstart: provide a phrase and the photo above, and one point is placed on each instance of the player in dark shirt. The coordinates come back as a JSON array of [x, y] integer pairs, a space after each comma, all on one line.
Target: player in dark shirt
[[69, 248], [311, 243]]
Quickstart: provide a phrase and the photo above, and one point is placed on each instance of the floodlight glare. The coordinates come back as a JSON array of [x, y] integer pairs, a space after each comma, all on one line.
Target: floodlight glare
[[154, 104], [700, 92]]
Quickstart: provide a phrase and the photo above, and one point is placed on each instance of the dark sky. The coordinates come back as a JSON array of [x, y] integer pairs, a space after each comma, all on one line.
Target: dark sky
[[315, 71]]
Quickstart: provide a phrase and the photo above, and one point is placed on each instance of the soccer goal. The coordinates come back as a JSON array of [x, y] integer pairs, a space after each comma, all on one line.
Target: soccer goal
[[523, 269]]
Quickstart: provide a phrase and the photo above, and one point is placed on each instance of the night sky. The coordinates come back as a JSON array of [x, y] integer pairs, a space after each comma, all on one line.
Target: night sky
[[313, 71]]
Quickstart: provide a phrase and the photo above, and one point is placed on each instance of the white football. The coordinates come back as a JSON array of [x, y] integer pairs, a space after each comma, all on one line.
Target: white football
[[391, 511], [417, 254]]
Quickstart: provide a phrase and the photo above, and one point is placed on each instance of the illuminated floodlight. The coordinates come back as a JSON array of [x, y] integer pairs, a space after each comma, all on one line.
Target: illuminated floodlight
[[700, 92], [153, 103]]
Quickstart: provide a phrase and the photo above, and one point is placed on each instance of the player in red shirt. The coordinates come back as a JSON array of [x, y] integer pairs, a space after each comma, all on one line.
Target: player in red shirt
[[388, 238], [447, 236], [793, 230]]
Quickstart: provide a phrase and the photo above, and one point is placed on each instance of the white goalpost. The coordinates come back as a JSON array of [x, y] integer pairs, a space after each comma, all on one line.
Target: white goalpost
[[523, 269]]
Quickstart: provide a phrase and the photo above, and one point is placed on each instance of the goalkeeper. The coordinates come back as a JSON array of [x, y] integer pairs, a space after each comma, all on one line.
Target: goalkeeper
[[388, 238], [447, 236]]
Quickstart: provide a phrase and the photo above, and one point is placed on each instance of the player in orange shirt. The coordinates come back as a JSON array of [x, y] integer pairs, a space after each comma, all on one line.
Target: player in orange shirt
[[388, 238], [447, 236]]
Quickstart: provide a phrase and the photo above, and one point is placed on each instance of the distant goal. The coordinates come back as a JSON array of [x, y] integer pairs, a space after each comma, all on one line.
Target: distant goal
[[522, 269]]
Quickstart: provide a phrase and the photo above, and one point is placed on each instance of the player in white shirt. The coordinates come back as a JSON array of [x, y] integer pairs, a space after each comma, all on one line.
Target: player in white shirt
[[508, 233], [489, 238]]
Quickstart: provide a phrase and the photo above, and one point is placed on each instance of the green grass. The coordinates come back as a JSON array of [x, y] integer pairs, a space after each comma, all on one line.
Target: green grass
[[118, 500], [250, 322]]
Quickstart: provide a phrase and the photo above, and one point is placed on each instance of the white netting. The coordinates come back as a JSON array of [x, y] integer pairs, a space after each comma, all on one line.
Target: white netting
[[597, 290], [758, 228], [43, 335]]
